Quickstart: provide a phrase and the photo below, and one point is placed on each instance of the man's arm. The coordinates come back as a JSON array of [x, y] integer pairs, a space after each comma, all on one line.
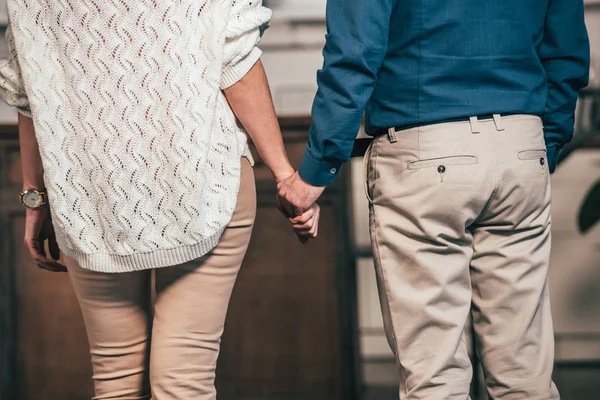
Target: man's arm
[[565, 55], [356, 45]]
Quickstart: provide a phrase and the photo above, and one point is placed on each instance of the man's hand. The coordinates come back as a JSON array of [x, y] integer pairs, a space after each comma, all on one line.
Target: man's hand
[[296, 196], [38, 229]]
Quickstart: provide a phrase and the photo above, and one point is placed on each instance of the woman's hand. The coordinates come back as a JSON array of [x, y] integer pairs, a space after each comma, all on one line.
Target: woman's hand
[[38, 224], [38, 229], [306, 226]]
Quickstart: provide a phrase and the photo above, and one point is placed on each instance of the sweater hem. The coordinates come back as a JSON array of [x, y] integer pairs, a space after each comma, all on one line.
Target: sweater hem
[[117, 263]]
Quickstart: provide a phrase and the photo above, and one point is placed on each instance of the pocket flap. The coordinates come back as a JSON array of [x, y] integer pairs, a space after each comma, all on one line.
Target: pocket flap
[[434, 162], [532, 154]]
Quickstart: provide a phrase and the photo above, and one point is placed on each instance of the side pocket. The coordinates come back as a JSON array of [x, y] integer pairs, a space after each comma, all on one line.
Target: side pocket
[[442, 161], [366, 165]]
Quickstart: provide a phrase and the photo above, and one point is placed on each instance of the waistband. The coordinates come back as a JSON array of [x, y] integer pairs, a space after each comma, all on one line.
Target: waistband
[[361, 145], [483, 117]]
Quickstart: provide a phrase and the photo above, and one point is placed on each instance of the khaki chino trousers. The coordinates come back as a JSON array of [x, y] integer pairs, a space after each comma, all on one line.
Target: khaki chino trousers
[[167, 350], [460, 224]]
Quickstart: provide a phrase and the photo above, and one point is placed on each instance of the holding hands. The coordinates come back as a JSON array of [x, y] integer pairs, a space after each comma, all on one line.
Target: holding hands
[[296, 200], [250, 99]]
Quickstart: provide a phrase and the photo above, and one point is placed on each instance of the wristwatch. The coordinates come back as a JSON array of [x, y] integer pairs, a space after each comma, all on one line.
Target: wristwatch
[[33, 198]]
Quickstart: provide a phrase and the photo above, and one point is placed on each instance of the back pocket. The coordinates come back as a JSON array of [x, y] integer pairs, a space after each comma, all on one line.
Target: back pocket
[[534, 159], [442, 162], [532, 155]]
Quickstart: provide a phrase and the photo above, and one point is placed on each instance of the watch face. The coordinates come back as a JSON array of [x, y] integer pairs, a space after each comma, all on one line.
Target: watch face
[[32, 199]]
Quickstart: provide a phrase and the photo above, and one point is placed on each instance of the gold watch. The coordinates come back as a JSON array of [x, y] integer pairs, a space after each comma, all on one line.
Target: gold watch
[[33, 198]]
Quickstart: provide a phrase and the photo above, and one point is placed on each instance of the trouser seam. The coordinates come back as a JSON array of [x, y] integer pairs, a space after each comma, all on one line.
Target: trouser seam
[[387, 296], [379, 265]]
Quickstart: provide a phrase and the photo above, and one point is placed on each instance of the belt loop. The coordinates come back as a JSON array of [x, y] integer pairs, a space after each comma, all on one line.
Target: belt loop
[[392, 135], [498, 121], [474, 125]]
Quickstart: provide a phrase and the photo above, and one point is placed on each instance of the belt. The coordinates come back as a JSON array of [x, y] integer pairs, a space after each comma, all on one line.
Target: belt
[[361, 145], [458, 119]]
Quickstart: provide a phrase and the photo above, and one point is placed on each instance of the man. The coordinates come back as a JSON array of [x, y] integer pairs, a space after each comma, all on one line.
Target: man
[[470, 103]]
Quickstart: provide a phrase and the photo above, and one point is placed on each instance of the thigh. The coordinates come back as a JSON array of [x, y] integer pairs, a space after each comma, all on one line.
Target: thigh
[[511, 307], [191, 306], [116, 310]]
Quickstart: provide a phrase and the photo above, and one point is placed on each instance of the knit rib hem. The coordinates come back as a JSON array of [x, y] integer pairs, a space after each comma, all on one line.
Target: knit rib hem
[[116, 263], [234, 73], [25, 111]]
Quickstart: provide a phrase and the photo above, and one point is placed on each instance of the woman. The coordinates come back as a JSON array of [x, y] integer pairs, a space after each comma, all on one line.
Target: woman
[[127, 132]]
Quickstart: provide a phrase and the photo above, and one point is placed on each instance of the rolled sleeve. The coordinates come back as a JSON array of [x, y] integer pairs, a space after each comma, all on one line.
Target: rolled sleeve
[[12, 86], [247, 22]]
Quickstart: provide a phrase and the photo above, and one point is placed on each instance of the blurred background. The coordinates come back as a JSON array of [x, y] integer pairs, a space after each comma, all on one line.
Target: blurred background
[[304, 321]]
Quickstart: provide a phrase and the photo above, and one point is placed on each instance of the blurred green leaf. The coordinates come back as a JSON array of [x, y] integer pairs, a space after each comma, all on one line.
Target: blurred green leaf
[[589, 214]]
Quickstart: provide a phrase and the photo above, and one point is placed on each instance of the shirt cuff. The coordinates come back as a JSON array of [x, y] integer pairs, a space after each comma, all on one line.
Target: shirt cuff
[[318, 172], [232, 74]]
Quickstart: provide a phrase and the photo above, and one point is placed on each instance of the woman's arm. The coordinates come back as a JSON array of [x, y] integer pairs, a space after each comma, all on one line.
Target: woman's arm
[[250, 99], [31, 161], [38, 223]]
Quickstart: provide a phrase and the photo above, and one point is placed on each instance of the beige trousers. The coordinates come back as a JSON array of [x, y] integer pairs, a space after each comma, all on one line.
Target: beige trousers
[[460, 223], [189, 313]]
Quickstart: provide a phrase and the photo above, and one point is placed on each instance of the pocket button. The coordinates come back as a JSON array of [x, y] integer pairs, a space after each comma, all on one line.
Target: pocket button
[[441, 169], [542, 161]]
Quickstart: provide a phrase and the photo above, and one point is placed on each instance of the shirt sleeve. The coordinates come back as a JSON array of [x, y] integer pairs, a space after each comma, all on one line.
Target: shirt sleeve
[[247, 22], [355, 47], [12, 87], [565, 55]]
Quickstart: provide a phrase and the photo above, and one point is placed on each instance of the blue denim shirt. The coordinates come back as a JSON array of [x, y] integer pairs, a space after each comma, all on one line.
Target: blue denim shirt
[[415, 62]]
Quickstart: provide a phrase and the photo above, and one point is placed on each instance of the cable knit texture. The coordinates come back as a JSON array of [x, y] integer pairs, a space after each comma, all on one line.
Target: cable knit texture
[[141, 151]]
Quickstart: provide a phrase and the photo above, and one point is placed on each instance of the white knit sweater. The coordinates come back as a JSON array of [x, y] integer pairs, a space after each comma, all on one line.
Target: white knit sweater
[[141, 151]]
